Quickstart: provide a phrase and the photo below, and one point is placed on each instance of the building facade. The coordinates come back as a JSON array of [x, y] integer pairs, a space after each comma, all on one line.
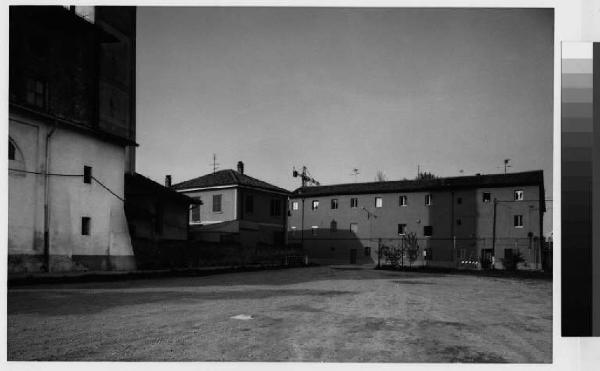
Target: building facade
[[157, 218], [461, 222], [155, 212], [71, 137], [236, 208]]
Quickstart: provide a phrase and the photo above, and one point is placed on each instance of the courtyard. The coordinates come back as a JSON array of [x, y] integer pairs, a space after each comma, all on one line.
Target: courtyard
[[316, 314]]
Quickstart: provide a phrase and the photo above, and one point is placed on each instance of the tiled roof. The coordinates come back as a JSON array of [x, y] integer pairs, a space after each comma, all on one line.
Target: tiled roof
[[474, 181], [138, 185], [225, 178]]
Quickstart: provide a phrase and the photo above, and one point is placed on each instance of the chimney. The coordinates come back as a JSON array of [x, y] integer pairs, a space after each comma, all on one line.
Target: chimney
[[168, 181], [240, 167]]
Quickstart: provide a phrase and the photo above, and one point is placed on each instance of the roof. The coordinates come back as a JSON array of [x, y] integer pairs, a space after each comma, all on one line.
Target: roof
[[138, 185], [474, 181], [226, 178]]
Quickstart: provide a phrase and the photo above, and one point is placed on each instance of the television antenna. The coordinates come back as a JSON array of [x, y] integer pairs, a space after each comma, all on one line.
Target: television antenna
[[215, 164], [355, 174], [506, 165]]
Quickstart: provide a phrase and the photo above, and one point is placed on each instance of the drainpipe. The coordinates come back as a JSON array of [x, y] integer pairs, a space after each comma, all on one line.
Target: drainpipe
[[47, 200]]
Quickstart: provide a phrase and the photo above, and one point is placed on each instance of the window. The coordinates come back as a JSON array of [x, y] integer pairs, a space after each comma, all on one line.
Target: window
[[87, 174], [518, 221], [378, 202], [249, 204], [275, 207], [518, 195], [458, 222], [403, 201], [367, 250], [427, 231], [428, 199], [354, 202], [195, 213], [401, 229], [334, 203], [295, 205], [216, 203], [315, 204], [333, 226], [508, 254], [315, 229], [85, 225], [353, 227], [12, 150], [487, 196], [36, 92], [459, 200]]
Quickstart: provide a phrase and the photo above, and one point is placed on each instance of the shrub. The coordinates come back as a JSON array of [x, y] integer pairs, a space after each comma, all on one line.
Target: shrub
[[510, 263]]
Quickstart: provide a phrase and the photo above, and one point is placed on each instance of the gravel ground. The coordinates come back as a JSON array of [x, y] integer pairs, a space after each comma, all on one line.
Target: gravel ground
[[331, 314]]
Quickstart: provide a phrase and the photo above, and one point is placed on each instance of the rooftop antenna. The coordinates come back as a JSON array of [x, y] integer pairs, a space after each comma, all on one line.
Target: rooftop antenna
[[355, 173], [506, 165], [215, 164]]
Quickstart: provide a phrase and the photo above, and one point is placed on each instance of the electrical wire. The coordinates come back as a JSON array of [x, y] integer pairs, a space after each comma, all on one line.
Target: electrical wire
[[71, 175], [107, 189]]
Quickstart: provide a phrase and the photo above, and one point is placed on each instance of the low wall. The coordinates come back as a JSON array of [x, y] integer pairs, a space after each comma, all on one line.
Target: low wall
[[192, 254]]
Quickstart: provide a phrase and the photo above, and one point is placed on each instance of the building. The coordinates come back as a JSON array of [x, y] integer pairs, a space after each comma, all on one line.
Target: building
[[155, 212], [460, 222], [71, 137], [236, 208], [157, 217]]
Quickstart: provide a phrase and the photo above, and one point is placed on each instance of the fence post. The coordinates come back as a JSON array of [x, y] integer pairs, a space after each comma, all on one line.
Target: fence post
[[379, 253], [494, 235]]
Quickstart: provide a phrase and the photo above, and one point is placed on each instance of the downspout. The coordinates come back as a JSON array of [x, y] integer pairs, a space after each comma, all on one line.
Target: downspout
[[47, 200]]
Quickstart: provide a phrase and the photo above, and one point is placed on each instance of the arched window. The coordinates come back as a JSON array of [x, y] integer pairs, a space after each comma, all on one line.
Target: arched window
[[16, 159], [333, 226]]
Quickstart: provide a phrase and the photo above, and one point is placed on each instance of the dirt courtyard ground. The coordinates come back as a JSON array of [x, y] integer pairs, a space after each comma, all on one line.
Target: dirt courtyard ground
[[331, 314]]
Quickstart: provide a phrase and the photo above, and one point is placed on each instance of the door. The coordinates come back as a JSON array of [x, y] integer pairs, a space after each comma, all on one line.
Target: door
[[486, 258], [353, 256]]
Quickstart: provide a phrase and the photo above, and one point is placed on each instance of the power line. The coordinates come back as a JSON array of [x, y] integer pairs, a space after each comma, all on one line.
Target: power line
[[108, 189], [39, 173], [71, 175]]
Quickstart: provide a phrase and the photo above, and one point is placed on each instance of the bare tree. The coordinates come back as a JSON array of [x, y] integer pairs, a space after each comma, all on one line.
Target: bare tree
[[425, 176], [380, 177]]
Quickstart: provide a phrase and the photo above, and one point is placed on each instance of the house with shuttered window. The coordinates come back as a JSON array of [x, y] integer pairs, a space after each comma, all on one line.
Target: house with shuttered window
[[236, 208]]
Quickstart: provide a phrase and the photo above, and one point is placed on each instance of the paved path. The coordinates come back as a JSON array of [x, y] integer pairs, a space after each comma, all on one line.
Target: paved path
[[337, 314]]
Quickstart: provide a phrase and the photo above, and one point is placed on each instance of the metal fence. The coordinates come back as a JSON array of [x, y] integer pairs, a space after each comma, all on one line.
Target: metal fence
[[405, 251]]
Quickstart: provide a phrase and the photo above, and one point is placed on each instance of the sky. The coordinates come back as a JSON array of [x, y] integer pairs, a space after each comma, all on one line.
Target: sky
[[334, 89]]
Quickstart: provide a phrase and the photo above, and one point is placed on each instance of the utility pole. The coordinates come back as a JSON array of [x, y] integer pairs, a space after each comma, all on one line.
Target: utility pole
[[494, 233], [305, 177]]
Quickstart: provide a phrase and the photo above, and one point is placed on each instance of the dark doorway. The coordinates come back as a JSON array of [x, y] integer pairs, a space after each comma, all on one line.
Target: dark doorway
[[486, 258]]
